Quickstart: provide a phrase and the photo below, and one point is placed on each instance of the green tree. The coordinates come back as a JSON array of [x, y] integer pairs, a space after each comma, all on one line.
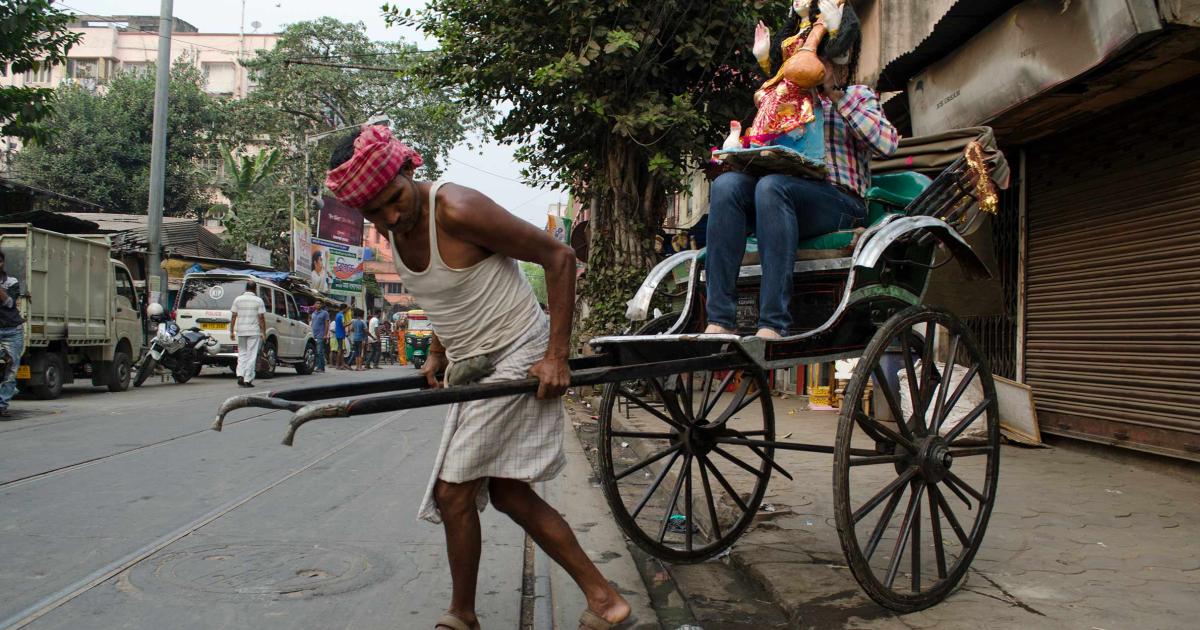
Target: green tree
[[34, 34], [101, 152], [262, 219], [614, 99], [243, 176], [536, 275], [302, 89]]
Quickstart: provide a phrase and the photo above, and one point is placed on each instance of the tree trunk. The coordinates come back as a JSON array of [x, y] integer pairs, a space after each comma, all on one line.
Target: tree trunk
[[621, 241]]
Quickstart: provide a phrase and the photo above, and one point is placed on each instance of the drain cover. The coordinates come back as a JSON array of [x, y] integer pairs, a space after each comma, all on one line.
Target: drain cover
[[269, 568]]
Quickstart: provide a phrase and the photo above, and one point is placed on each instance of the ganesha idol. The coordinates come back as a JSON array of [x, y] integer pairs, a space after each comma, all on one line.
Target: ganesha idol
[[788, 134]]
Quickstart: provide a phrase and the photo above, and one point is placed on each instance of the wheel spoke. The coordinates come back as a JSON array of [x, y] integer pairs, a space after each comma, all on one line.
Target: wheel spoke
[[708, 378], [928, 369], [881, 526], [686, 394], [724, 484], [958, 392], [896, 485], [756, 451], [651, 410], [970, 451], [708, 497], [936, 419], [881, 383], [950, 518], [720, 390], [671, 403], [966, 422], [658, 479], [954, 480], [740, 402], [867, 421], [743, 465], [646, 462], [914, 503], [877, 459], [910, 370], [666, 519], [938, 552], [915, 554], [648, 436], [687, 505]]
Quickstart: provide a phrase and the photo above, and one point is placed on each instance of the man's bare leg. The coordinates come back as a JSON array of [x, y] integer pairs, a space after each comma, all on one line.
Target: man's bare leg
[[460, 518], [552, 533]]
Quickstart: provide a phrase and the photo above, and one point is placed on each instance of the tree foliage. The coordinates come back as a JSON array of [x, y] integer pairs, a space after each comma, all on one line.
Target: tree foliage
[[611, 98], [242, 176], [32, 33], [101, 151], [536, 275]]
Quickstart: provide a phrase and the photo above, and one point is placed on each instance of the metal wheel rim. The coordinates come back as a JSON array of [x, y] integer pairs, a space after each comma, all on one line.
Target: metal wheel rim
[[914, 593]]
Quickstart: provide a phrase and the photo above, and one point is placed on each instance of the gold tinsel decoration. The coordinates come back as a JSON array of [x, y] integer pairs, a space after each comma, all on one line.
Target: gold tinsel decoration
[[985, 190]]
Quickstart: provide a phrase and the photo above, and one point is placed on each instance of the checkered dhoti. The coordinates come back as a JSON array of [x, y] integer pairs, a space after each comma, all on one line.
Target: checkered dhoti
[[516, 437]]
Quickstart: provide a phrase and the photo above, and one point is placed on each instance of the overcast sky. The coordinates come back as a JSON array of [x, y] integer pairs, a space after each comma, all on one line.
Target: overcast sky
[[224, 16]]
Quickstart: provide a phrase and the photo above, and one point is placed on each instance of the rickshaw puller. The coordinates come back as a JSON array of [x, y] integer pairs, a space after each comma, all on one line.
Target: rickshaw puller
[[457, 251]]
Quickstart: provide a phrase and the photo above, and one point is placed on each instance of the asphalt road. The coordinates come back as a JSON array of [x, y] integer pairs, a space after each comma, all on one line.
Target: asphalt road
[[125, 511]]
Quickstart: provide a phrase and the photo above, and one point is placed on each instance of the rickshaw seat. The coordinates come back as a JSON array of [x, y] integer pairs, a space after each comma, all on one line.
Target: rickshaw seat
[[889, 193]]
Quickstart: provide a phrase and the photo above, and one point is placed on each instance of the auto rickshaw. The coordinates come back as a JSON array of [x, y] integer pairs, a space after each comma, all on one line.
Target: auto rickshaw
[[417, 338]]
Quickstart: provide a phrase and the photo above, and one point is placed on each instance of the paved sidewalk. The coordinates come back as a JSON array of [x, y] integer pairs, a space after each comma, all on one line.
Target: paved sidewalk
[[1074, 541]]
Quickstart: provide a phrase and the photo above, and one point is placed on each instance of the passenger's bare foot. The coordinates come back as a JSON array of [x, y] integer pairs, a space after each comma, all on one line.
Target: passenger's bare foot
[[613, 608], [714, 329], [767, 333]]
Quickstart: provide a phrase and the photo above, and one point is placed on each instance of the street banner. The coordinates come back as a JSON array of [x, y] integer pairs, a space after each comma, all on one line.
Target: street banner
[[336, 268], [339, 223], [559, 228], [303, 248], [258, 255]]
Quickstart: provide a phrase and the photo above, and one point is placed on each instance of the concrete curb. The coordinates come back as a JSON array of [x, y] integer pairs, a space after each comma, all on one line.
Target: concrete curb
[[543, 598], [574, 494]]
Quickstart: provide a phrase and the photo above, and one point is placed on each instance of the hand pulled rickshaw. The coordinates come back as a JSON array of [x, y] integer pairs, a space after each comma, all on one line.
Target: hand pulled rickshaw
[[911, 500]]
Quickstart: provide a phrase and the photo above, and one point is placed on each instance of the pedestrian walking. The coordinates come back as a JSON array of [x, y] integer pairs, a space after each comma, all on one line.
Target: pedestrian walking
[[12, 336], [320, 332], [375, 340], [339, 337], [457, 252], [249, 323], [358, 339]]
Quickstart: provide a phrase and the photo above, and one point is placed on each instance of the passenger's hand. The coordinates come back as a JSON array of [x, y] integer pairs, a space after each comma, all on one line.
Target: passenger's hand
[[553, 375], [436, 362]]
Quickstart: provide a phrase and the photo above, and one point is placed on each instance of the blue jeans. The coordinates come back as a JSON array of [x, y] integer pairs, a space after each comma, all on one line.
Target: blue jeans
[[12, 340], [783, 210], [320, 354]]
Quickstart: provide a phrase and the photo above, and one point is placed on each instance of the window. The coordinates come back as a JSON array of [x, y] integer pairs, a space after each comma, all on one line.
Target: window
[[393, 288], [40, 75], [215, 294], [221, 77], [292, 312], [280, 305], [83, 69], [137, 68], [125, 287]]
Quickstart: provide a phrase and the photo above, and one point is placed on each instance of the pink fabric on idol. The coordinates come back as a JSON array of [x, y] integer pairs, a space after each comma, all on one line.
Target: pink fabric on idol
[[377, 158]]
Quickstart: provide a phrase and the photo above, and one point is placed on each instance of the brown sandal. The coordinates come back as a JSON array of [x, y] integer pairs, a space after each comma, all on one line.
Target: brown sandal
[[593, 621], [454, 623]]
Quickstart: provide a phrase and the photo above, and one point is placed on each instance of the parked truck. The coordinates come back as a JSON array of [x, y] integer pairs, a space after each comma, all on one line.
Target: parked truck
[[83, 315]]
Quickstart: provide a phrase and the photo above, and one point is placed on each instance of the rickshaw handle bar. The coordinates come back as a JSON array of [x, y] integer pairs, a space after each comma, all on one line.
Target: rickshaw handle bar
[[466, 393]]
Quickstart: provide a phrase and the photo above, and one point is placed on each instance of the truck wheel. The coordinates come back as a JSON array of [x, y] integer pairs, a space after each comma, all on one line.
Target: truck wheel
[[272, 355], [145, 370], [309, 363], [120, 375], [52, 378]]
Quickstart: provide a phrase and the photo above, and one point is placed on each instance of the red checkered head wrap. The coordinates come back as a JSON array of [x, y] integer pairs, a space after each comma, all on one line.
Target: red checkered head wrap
[[377, 158]]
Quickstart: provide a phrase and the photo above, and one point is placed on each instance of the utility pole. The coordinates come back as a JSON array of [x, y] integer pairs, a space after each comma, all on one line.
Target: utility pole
[[158, 153]]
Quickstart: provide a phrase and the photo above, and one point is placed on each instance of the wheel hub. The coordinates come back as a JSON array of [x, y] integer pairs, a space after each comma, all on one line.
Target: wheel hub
[[698, 441], [935, 458]]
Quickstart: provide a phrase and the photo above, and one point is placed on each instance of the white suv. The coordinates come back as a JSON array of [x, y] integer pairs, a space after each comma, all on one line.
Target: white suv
[[205, 300]]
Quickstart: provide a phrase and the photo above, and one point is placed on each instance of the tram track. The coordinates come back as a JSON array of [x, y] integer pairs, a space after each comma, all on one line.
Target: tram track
[[20, 481], [110, 570]]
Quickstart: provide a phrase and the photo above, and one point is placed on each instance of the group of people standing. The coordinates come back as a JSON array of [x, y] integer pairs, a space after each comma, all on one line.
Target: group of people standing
[[346, 340]]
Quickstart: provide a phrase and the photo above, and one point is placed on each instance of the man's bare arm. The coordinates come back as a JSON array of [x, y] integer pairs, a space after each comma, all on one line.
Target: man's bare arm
[[473, 217]]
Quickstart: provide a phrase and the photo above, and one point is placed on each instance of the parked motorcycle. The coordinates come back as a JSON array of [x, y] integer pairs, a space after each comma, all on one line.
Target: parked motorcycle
[[181, 352]]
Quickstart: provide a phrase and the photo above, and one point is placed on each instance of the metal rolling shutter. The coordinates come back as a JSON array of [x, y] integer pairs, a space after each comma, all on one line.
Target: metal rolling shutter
[[1113, 278]]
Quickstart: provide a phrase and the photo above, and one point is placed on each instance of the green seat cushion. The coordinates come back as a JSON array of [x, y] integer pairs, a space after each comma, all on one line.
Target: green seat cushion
[[833, 240], [891, 193]]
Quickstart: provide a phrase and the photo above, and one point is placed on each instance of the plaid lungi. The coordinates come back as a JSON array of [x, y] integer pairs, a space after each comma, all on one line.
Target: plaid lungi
[[516, 437]]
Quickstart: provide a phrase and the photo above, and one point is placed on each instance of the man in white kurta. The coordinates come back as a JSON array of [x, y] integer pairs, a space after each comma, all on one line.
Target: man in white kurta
[[249, 323]]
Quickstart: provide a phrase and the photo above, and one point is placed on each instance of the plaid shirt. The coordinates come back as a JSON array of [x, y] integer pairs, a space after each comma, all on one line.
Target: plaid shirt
[[854, 129]]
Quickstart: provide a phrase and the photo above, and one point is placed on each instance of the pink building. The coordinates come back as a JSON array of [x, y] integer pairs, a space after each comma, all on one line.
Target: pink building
[[381, 267]]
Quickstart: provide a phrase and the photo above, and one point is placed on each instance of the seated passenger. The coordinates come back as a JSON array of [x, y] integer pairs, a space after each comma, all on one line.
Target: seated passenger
[[784, 209]]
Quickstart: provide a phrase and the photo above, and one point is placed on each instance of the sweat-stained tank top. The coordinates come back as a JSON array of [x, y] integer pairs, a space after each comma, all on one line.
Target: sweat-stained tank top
[[474, 311]]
